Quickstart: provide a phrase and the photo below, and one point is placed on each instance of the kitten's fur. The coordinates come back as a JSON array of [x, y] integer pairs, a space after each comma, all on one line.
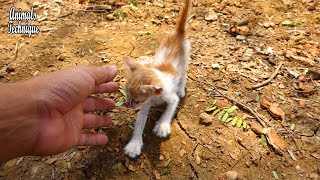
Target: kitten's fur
[[163, 82]]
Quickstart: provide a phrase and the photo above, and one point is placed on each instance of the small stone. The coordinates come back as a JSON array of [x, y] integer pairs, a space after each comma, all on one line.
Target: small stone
[[110, 17], [211, 16], [243, 30], [198, 159], [182, 152], [10, 69], [205, 118], [240, 38]]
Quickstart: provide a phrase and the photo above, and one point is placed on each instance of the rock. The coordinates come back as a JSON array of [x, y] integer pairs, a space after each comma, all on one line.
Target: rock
[[206, 118], [198, 159], [240, 38], [110, 17], [211, 16], [243, 30], [10, 69], [230, 175]]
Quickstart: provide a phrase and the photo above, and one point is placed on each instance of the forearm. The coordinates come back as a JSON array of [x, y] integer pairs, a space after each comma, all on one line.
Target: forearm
[[18, 128]]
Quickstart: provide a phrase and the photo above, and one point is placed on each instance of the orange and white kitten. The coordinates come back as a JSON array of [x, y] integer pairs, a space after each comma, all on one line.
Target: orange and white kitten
[[163, 82]]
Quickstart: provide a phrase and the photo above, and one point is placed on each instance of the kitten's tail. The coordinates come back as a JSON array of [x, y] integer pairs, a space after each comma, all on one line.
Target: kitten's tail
[[181, 24]]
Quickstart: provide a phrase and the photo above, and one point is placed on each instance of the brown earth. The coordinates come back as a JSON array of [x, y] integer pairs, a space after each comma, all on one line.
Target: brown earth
[[70, 36]]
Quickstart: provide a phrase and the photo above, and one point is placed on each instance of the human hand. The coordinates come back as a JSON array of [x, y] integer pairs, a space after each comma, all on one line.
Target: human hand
[[57, 109]]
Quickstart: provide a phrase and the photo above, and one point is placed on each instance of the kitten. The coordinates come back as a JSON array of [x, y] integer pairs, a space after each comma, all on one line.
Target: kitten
[[163, 82]]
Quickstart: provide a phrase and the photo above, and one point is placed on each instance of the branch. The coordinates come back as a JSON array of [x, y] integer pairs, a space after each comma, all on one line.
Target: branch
[[268, 80]]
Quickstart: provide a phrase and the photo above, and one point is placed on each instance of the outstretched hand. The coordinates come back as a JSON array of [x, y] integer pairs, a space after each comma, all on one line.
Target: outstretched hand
[[58, 107]]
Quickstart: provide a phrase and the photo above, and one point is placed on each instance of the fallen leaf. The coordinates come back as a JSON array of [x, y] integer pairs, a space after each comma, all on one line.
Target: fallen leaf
[[234, 121], [256, 128], [167, 162], [265, 103], [274, 140], [275, 174], [239, 123], [123, 92], [51, 160], [222, 103], [119, 103], [117, 166], [263, 139], [132, 167], [231, 109], [276, 111], [206, 118], [211, 16], [225, 117], [302, 103], [164, 172]]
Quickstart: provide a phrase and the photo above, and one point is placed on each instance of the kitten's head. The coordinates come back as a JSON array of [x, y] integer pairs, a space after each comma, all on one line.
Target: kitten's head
[[142, 83]]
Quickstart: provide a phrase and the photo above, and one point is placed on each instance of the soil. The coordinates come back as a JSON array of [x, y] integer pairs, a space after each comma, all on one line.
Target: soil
[[225, 56]]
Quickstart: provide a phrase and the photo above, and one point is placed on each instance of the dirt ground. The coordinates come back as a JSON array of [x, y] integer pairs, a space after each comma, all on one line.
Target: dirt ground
[[228, 54]]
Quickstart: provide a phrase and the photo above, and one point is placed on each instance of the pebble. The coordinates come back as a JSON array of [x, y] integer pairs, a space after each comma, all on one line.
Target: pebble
[[240, 38]]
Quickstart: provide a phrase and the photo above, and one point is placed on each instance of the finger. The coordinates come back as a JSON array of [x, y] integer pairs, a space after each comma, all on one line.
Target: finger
[[96, 104], [107, 87], [96, 121], [92, 139], [101, 74]]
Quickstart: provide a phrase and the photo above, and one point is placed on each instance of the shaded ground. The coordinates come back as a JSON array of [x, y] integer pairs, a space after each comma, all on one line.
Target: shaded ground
[[218, 59]]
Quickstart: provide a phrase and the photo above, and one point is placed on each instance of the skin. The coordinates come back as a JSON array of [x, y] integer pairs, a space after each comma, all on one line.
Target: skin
[[46, 115]]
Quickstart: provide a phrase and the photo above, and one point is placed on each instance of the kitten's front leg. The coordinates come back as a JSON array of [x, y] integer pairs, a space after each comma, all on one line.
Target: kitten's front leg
[[162, 127], [133, 148]]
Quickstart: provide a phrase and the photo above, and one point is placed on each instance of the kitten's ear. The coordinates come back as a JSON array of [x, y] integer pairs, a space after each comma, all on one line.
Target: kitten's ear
[[130, 63], [154, 90]]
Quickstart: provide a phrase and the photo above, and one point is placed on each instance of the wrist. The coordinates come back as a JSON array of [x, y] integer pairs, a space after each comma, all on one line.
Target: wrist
[[18, 120]]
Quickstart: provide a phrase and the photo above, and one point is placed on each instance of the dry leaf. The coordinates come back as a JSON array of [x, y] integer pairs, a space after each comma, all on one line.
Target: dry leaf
[[51, 160], [274, 140], [265, 103], [198, 159], [302, 103], [222, 103], [276, 111], [256, 128], [131, 167]]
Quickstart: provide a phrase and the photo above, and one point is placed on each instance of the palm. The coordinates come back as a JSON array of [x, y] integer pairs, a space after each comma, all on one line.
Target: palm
[[67, 106]]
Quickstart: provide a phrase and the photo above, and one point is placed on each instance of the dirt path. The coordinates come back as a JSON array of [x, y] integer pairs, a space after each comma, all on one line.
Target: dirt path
[[277, 31]]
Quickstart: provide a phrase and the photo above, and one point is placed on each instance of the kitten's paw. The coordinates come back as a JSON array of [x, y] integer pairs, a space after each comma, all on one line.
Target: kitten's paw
[[162, 129], [181, 93], [133, 149]]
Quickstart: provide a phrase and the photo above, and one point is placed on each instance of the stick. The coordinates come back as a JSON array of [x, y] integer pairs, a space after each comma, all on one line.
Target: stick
[[16, 52], [65, 15], [131, 49], [268, 80], [243, 106]]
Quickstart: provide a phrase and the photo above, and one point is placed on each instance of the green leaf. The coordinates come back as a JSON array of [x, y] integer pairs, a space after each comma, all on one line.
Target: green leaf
[[69, 165], [257, 98], [263, 139], [210, 109], [225, 117], [275, 174], [123, 92], [117, 166], [245, 124], [231, 109], [221, 113], [164, 172], [214, 102], [167, 162], [228, 120], [119, 103], [234, 121], [215, 112], [239, 123]]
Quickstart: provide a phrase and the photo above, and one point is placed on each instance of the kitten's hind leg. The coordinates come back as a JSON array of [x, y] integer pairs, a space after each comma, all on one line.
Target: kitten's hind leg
[[182, 87], [162, 127], [133, 148]]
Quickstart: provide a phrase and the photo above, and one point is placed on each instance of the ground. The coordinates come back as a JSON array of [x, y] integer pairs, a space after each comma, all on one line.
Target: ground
[[235, 44]]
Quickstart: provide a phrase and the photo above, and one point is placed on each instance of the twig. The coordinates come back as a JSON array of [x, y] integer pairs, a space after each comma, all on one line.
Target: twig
[[91, 10], [65, 15], [268, 80], [245, 107], [16, 51], [131, 49]]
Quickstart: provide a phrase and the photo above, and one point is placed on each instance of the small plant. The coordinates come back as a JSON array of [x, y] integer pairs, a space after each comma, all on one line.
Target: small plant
[[120, 14]]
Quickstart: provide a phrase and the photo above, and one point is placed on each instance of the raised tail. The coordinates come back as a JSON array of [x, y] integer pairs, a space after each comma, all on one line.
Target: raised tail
[[181, 24]]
